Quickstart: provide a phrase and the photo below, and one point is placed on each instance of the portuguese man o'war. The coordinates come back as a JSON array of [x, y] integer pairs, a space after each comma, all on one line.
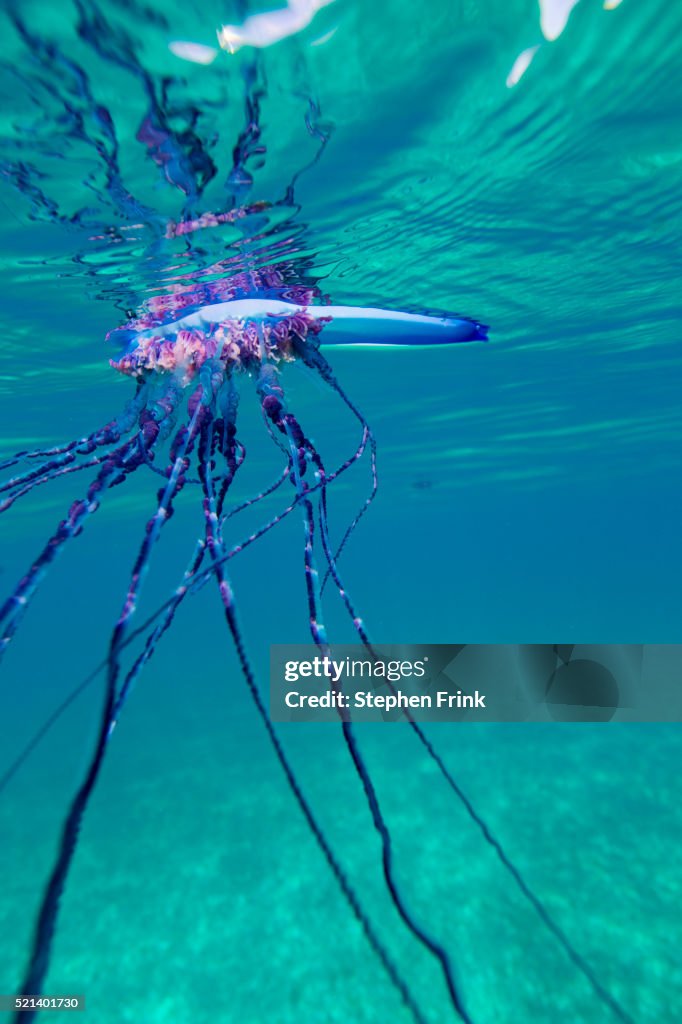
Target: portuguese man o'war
[[190, 366], [194, 354], [242, 333], [189, 373]]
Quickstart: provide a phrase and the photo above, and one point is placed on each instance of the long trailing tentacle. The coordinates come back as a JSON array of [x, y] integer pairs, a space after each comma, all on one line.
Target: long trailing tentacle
[[155, 636], [109, 434], [182, 446], [203, 577], [47, 478], [215, 548], [265, 493], [272, 398], [118, 464], [44, 473], [552, 926], [212, 431], [47, 918], [543, 913], [310, 354], [191, 582], [350, 529]]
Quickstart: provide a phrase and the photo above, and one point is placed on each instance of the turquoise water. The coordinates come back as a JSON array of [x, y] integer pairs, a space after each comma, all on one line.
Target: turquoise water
[[529, 491]]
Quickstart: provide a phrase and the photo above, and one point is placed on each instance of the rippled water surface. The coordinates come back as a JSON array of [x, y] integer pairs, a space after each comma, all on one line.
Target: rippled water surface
[[528, 491]]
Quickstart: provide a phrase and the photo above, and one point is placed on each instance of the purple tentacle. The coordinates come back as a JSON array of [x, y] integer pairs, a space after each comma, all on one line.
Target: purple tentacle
[[363, 508], [45, 927], [555, 929], [192, 582], [312, 488], [313, 358], [157, 633], [109, 434], [574, 956], [180, 449], [302, 450], [258, 497], [47, 478], [116, 467], [45, 470], [234, 457], [214, 545]]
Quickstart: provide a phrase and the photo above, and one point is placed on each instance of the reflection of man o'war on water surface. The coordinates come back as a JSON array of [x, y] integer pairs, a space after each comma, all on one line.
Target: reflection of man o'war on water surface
[[173, 854]]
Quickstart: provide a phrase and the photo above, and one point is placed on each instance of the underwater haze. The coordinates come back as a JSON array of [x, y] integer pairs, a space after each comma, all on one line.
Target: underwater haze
[[507, 163]]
